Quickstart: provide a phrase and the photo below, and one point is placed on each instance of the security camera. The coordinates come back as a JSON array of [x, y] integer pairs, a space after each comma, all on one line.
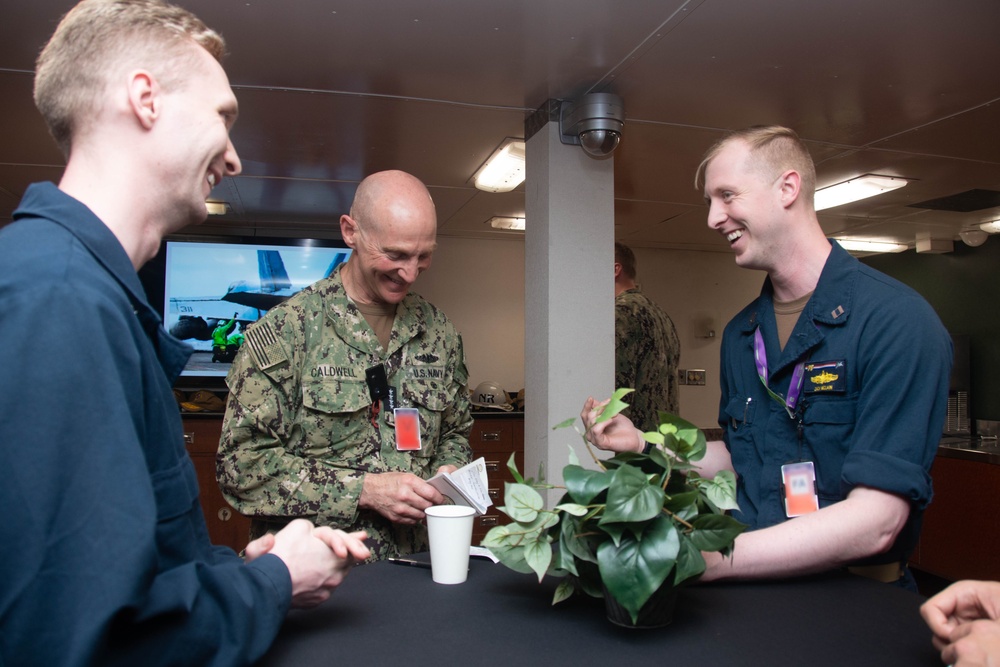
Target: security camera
[[594, 122]]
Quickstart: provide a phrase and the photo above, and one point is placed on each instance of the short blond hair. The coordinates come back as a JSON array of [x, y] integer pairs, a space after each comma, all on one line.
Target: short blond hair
[[96, 39], [773, 149]]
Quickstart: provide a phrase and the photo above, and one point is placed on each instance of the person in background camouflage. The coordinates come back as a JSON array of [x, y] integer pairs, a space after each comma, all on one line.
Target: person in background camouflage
[[647, 349], [303, 435]]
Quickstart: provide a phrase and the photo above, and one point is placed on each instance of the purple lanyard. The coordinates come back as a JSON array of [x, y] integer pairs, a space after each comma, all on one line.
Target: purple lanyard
[[794, 387]]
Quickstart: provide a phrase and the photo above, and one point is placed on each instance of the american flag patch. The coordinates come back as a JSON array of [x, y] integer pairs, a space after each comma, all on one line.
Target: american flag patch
[[264, 346]]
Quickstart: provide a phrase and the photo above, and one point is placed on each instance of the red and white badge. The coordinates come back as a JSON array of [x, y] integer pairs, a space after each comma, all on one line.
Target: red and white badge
[[799, 480], [407, 429]]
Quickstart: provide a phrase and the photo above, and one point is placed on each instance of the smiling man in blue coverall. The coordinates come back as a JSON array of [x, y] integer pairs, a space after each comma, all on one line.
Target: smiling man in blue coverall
[[107, 559], [834, 382]]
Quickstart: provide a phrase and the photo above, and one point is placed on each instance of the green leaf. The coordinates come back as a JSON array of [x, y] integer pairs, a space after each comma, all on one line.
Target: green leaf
[[574, 460], [512, 467], [563, 560], [721, 491], [634, 570], [689, 440], [690, 563], [512, 557], [679, 501], [614, 531], [654, 438], [714, 532], [498, 536], [615, 405], [631, 497], [687, 513], [538, 556], [660, 458], [572, 543], [583, 485], [521, 502], [572, 508], [564, 591], [565, 424], [520, 534]]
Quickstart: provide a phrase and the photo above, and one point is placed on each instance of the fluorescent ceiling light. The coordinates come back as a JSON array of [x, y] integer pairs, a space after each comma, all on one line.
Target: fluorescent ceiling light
[[991, 227], [853, 245], [504, 171], [216, 207], [501, 222], [861, 187]]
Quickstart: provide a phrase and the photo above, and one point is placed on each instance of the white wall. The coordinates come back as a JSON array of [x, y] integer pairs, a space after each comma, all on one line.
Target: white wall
[[701, 291], [479, 283]]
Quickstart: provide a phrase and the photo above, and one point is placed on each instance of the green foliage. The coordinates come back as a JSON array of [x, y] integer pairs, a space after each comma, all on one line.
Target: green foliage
[[640, 522]]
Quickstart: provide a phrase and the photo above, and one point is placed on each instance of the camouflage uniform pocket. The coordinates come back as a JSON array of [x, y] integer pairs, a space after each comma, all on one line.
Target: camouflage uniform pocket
[[335, 418]]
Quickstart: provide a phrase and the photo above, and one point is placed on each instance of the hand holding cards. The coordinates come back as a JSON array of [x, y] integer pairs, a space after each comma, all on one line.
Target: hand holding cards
[[466, 486]]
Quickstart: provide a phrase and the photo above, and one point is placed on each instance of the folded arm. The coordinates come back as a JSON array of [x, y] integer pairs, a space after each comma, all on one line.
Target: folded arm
[[864, 524]]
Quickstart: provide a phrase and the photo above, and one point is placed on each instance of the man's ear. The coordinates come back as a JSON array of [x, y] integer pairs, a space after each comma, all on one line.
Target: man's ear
[[349, 231], [618, 270], [790, 186], [144, 97]]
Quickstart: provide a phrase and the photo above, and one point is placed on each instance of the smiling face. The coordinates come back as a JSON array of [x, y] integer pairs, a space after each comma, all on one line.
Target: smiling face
[[392, 230], [745, 206], [196, 117]]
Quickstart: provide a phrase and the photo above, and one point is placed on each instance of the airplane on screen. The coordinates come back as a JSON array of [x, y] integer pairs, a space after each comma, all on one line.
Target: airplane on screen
[[197, 317]]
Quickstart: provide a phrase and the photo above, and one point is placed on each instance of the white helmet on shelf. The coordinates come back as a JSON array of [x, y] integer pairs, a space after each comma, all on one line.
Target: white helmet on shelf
[[491, 395]]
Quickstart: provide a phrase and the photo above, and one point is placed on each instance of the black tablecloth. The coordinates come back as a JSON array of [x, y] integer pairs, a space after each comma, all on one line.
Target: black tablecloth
[[386, 614]]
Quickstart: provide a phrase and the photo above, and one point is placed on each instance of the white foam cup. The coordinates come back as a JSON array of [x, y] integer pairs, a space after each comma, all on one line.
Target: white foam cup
[[449, 528]]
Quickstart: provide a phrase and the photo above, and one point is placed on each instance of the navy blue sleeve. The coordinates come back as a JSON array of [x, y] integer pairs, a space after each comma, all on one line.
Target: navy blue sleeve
[[106, 557], [905, 369]]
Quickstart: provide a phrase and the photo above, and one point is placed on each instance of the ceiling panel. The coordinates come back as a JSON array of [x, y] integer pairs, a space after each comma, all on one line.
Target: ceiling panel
[[332, 90]]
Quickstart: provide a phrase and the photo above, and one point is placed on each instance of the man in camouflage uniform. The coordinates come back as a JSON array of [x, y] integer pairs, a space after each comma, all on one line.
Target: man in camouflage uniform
[[647, 349], [310, 422]]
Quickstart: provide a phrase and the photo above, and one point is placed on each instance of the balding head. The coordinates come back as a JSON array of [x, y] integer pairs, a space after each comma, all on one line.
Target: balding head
[[392, 228], [392, 197]]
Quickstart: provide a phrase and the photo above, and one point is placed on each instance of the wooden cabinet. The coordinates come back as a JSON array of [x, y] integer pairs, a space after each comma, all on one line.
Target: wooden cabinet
[[495, 437], [226, 526], [961, 532]]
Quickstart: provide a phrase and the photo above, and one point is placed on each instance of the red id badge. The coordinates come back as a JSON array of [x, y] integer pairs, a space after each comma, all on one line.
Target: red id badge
[[407, 429], [799, 480]]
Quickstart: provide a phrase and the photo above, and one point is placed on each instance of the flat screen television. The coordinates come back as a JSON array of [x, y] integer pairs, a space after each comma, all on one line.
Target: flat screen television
[[212, 288]]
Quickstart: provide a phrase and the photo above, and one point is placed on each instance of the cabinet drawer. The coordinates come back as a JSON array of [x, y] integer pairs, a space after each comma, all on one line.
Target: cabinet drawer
[[495, 440], [491, 434], [497, 472], [201, 435], [225, 525]]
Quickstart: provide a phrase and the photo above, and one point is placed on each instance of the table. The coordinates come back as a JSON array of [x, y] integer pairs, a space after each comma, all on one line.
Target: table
[[388, 614]]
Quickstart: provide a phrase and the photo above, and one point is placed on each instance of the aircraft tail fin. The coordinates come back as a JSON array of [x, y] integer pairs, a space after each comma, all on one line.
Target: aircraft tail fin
[[273, 276]]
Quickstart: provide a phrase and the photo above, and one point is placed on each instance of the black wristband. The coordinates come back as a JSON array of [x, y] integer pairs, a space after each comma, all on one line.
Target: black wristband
[[647, 448]]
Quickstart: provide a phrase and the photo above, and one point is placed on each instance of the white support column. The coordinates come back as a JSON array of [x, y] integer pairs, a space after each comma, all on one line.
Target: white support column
[[569, 295]]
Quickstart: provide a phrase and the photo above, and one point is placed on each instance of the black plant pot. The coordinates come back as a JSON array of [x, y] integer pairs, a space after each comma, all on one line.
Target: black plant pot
[[656, 613]]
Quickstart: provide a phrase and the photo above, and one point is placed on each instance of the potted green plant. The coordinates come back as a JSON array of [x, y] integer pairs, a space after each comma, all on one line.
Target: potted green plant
[[631, 531]]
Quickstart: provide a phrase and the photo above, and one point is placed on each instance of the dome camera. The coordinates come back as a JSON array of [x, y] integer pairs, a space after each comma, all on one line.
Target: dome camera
[[593, 122]]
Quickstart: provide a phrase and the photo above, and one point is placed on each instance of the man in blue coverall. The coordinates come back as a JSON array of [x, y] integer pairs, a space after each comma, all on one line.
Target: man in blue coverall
[[834, 382], [108, 559]]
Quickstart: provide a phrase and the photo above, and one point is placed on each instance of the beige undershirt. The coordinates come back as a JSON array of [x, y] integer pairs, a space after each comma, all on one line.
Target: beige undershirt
[[380, 317], [786, 314]]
